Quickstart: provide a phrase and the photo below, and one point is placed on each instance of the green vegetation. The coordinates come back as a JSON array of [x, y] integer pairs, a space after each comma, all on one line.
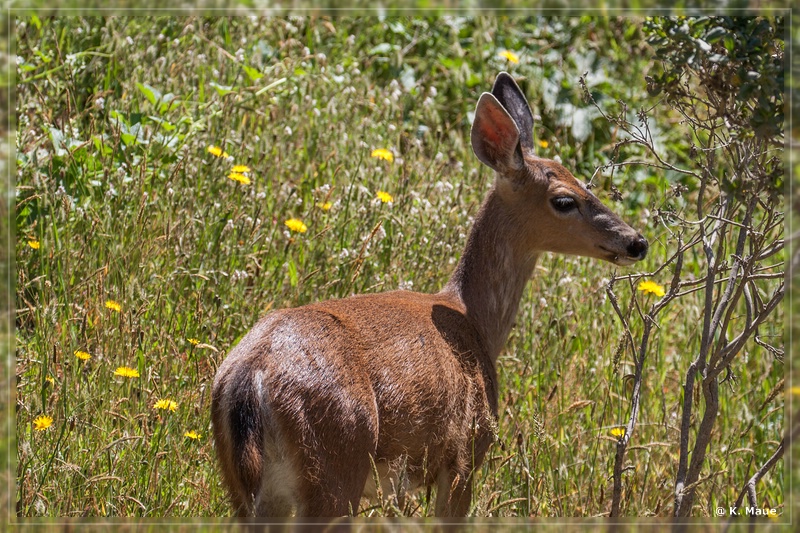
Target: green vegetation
[[123, 198]]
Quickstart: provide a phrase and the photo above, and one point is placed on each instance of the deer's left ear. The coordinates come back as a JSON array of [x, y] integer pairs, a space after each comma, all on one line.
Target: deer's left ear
[[495, 136], [510, 96]]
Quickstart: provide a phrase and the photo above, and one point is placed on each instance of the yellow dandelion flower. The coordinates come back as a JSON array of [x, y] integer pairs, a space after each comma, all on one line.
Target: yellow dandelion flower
[[193, 342], [126, 372], [240, 168], [33, 243], [795, 391], [114, 306], [83, 356], [50, 379], [652, 287], [325, 206], [165, 404], [192, 435], [217, 151], [383, 153], [238, 176], [384, 197], [42, 422], [543, 143], [617, 432], [296, 225], [510, 56]]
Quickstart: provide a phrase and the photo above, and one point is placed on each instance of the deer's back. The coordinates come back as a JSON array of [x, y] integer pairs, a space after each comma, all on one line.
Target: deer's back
[[409, 366]]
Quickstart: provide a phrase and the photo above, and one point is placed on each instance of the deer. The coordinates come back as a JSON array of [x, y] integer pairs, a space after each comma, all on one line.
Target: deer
[[319, 405]]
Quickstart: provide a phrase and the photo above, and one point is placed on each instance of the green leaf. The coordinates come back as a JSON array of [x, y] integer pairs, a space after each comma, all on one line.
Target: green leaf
[[704, 46], [381, 49], [167, 126], [715, 34], [57, 138], [397, 27], [119, 118], [407, 78], [252, 73], [42, 56], [473, 80], [151, 93], [101, 146], [222, 90], [168, 103], [729, 43]]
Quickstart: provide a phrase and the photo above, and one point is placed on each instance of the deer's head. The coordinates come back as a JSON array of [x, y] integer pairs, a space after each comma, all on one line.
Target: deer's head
[[554, 211]]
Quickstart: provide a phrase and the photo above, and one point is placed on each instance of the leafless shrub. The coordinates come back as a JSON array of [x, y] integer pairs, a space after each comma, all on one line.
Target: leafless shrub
[[733, 226]]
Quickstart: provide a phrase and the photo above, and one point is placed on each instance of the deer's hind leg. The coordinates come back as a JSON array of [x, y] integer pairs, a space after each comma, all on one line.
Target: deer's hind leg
[[279, 482], [334, 434], [336, 460], [453, 494]]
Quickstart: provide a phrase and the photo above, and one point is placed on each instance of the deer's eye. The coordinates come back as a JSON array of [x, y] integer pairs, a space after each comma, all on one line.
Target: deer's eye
[[564, 203]]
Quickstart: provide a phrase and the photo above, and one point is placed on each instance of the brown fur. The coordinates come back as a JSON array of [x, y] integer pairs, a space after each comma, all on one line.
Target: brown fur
[[311, 396]]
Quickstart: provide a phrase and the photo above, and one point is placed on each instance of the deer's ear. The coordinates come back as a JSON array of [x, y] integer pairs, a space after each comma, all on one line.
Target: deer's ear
[[510, 96], [495, 135]]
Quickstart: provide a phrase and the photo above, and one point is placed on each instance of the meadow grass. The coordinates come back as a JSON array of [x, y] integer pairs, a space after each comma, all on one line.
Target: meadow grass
[[128, 130]]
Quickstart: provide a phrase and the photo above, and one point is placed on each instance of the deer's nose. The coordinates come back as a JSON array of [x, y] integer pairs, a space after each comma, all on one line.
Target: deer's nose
[[638, 248]]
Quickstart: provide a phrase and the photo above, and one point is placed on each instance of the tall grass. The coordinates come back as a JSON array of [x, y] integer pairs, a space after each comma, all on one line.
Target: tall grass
[[119, 199]]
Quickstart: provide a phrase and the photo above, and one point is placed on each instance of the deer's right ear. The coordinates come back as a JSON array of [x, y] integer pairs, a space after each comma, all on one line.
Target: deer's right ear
[[495, 136]]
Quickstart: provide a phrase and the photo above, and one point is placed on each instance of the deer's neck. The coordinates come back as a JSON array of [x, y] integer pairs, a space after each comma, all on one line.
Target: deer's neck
[[492, 273]]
